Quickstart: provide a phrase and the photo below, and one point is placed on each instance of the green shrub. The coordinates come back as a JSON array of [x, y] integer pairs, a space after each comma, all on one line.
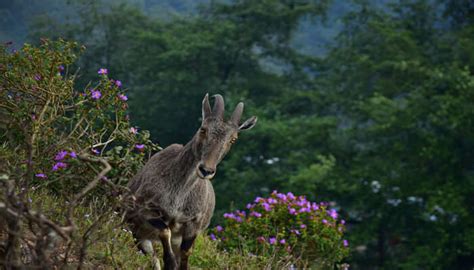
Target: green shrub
[[286, 226], [49, 125], [76, 146]]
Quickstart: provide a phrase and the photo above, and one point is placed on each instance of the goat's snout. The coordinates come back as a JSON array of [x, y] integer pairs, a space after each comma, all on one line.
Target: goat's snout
[[205, 172]]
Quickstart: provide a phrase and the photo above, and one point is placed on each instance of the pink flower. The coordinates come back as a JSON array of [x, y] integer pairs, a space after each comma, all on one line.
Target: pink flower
[[96, 94], [133, 130], [303, 226], [123, 97], [102, 71], [261, 239]]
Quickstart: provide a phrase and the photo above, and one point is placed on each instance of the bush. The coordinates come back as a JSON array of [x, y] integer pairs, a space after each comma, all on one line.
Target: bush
[[73, 144], [288, 227]]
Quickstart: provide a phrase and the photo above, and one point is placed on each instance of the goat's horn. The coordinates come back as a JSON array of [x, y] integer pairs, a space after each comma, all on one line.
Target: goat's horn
[[235, 118], [206, 107], [218, 109]]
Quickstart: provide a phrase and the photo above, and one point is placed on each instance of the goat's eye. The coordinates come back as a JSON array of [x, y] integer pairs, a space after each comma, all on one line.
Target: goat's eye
[[233, 140], [202, 131]]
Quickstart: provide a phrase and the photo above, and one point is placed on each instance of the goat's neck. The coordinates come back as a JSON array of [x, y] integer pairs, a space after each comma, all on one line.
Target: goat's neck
[[186, 164]]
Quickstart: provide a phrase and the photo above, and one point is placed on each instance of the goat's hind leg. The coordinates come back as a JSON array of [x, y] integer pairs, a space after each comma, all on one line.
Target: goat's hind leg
[[146, 246]]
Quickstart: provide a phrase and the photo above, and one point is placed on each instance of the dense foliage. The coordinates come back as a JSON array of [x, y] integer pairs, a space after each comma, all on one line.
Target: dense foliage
[[284, 225], [381, 126]]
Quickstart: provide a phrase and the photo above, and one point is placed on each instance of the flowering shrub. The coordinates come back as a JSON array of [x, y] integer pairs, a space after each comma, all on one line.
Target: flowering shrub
[[57, 139], [49, 124], [285, 224]]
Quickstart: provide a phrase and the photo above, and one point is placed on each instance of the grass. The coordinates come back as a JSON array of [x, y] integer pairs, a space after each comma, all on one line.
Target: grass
[[111, 244]]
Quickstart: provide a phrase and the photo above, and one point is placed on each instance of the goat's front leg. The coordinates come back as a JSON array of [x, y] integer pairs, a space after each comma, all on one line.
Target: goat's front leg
[[165, 237], [186, 250]]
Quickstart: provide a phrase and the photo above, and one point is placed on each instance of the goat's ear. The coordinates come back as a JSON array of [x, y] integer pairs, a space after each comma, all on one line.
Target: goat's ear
[[248, 124], [206, 107]]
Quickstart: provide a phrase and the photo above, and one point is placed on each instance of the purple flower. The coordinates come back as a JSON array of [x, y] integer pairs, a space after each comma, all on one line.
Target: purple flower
[[60, 155], [219, 228], [303, 226], [103, 71], [229, 215], [213, 237], [343, 221], [238, 219], [333, 213], [282, 241], [37, 77], [324, 221], [118, 83], [249, 206], [123, 97], [271, 201], [281, 196], [41, 175], [290, 196], [133, 130], [314, 206], [304, 209], [266, 206], [255, 214], [292, 211], [140, 147], [61, 68], [345, 242], [73, 154], [59, 165], [95, 151], [272, 240], [96, 94], [259, 199]]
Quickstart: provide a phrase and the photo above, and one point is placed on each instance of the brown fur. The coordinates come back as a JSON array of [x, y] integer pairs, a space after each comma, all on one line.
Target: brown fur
[[174, 196]]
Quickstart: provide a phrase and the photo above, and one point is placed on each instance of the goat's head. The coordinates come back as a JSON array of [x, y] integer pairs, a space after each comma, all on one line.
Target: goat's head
[[215, 136]]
